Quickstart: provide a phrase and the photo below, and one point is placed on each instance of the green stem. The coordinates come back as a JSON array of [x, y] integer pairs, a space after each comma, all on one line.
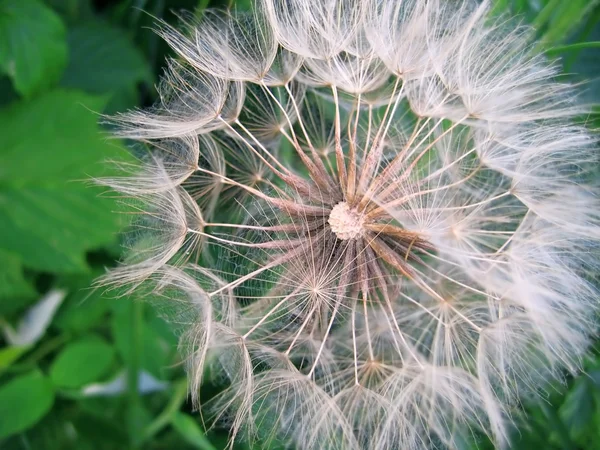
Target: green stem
[[136, 11], [164, 418], [134, 406], [572, 47]]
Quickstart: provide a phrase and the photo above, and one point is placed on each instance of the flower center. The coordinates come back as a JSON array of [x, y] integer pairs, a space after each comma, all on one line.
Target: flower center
[[346, 223]]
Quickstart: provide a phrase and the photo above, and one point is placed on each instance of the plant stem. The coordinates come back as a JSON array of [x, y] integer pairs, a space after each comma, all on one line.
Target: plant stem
[[178, 396], [134, 404]]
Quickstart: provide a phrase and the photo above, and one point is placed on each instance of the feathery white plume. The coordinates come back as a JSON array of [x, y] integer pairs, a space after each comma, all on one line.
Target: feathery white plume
[[373, 218]]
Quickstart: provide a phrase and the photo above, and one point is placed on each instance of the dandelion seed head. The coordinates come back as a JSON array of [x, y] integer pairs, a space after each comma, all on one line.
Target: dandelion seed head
[[374, 220], [345, 222]]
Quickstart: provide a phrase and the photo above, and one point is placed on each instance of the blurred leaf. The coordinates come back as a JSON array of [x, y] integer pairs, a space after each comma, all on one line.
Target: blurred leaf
[[33, 46], [7, 91], [84, 308], [9, 355], [53, 140], [191, 431], [24, 401], [123, 100], [13, 285], [104, 60], [585, 62], [578, 407], [566, 18], [83, 312], [45, 208], [82, 362], [72, 10], [109, 433]]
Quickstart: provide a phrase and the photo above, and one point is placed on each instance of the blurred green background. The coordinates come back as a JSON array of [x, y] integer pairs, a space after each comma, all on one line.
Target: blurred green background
[[80, 369]]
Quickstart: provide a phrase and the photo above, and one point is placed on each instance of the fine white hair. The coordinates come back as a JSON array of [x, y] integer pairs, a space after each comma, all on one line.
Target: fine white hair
[[374, 219]]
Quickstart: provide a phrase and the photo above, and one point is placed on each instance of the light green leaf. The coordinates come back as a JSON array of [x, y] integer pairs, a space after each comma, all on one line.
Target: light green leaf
[[24, 401], [49, 215], [53, 139], [82, 362], [33, 45], [52, 227], [189, 429], [9, 355]]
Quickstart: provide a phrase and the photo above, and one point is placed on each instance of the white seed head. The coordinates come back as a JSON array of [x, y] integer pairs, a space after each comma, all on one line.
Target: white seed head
[[374, 219]]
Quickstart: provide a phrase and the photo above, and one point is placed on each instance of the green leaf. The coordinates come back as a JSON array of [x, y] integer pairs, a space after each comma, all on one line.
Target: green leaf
[[84, 309], [99, 429], [583, 61], [189, 429], [566, 17], [9, 355], [73, 10], [14, 288], [82, 362], [7, 91], [24, 401], [33, 45], [53, 139], [103, 59], [52, 227], [48, 215], [578, 408]]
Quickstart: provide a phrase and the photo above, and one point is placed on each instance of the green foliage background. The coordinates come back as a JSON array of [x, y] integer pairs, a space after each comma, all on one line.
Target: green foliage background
[[103, 373]]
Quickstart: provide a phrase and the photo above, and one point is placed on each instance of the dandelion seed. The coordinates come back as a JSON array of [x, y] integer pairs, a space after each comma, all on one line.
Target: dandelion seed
[[373, 219]]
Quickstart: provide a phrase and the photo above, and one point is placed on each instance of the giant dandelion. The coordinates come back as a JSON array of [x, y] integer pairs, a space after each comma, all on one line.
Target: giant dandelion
[[372, 220]]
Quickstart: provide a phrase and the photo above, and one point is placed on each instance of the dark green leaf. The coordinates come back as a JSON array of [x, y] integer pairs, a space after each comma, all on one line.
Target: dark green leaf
[[9, 355], [33, 46], [7, 91], [82, 362], [14, 288], [83, 309], [578, 407], [73, 10], [102, 59], [24, 401]]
